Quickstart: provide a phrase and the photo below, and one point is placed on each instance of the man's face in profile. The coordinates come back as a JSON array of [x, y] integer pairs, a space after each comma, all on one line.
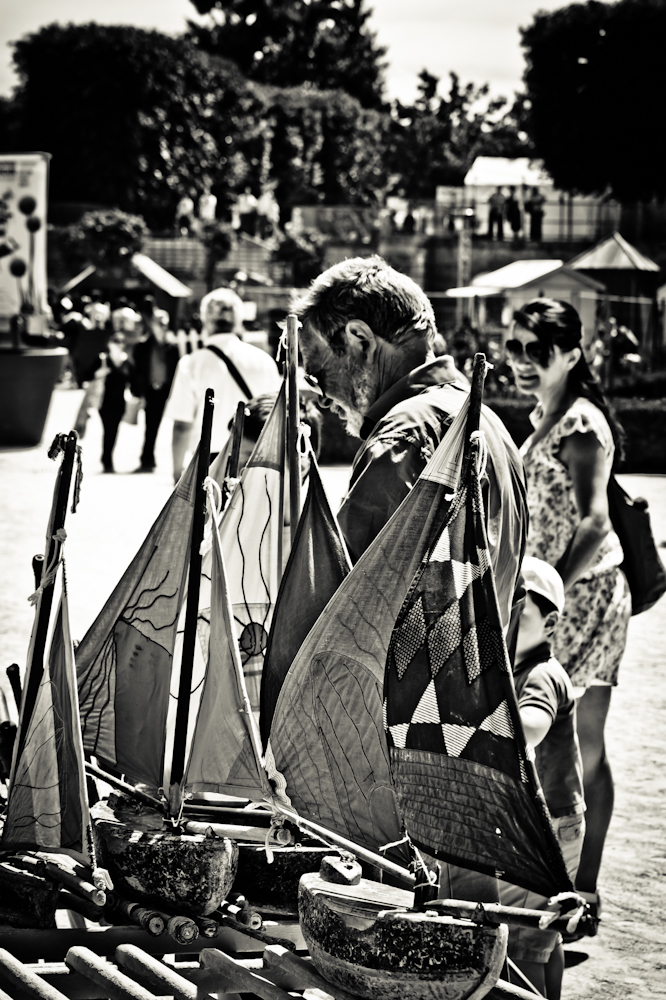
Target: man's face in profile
[[348, 381]]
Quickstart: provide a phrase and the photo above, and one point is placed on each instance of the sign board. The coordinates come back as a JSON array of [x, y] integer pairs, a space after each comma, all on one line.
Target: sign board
[[23, 202]]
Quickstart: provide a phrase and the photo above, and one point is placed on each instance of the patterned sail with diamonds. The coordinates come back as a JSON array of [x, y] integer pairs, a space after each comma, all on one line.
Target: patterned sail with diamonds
[[327, 735], [467, 791]]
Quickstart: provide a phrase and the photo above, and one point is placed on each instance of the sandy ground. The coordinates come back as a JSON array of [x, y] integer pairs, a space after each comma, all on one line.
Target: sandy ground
[[628, 957]]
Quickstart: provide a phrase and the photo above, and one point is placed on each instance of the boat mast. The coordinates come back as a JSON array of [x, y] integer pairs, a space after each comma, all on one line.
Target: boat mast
[[236, 440], [35, 664], [474, 413], [293, 422], [193, 585]]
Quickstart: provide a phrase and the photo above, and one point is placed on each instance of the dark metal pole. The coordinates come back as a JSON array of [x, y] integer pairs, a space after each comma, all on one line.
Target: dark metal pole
[[193, 585], [14, 678], [35, 667], [474, 415], [38, 568], [234, 458], [293, 421]]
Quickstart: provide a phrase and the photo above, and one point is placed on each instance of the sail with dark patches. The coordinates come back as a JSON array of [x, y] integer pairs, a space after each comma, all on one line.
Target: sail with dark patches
[[251, 530], [318, 563], [327, 737], [467, 791], [48, 802], [124, 662], [225, 752]]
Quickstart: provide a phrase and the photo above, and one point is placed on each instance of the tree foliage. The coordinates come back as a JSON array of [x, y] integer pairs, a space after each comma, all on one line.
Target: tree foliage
[[597, 87], [132, 118], [326, 43], [326, 148], [107, 238], [436, 140]]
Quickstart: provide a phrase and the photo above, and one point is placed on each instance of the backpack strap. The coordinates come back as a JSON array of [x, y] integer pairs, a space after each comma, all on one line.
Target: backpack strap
[[233, 371]]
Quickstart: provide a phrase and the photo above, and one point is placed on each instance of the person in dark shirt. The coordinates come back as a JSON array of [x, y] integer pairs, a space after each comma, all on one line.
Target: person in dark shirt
[[513, 214], [534, 207], [113, 401], [155, 363], [547, 711]]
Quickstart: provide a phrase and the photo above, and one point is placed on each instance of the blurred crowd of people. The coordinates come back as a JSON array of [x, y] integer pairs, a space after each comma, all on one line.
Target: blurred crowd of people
[[255, 216], [125, 355]]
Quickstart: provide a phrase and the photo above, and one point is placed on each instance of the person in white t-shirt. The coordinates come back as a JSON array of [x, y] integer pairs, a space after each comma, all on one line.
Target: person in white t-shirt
[[246, 368]]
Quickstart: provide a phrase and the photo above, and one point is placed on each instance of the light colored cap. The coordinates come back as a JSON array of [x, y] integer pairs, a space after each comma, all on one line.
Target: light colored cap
[[541, 578]]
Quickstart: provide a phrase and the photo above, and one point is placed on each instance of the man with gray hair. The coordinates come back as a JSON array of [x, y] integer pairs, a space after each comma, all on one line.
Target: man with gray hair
[[233, 369], [367, 338]]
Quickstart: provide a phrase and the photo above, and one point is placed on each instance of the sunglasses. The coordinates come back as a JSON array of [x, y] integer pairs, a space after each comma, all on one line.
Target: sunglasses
[[534, 351]]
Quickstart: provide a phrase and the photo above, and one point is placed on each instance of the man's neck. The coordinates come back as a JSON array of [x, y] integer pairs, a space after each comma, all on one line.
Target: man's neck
[[393, 363]]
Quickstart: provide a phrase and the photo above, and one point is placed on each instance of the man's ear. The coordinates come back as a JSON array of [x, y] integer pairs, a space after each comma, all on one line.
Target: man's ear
[[550, 621], [574, 357], [360, 339]]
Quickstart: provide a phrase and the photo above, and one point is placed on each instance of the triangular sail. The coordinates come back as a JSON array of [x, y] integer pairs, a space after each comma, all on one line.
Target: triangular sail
[[327, 736], [317, 565], [251, 531], [124, 662], [48, 801], [225, 753], [467, 791]]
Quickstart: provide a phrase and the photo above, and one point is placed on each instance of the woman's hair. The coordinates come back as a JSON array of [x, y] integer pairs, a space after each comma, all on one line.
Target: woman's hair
[[557, 323]]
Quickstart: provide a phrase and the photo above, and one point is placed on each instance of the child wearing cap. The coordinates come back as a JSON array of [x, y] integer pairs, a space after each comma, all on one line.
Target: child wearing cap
[[547, 710]]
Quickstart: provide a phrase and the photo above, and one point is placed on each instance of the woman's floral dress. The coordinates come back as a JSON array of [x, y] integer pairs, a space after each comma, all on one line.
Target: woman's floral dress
[[592, 632]]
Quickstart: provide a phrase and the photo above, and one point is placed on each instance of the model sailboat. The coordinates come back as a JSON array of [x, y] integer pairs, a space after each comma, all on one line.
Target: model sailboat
[[47, 811], [161, 701], [397, 726]]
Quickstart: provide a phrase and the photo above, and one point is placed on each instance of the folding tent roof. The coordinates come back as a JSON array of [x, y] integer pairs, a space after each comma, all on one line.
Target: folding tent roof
[[613, 253], [159, 276], [503, 170], [519, 274], [149, 268]]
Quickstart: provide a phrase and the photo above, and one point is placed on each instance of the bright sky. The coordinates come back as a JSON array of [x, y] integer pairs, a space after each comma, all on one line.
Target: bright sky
[[478, 39]]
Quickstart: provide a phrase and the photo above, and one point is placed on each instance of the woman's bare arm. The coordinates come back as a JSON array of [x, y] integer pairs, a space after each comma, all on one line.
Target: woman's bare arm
[[583, 456]]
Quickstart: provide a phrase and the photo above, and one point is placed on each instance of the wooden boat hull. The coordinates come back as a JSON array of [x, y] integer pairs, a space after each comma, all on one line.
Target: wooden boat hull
[[365, 939], [189, 874], [26, 899], [275, 884]]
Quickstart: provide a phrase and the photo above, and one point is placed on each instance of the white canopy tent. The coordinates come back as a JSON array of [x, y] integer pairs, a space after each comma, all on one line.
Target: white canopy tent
[[523, 280]]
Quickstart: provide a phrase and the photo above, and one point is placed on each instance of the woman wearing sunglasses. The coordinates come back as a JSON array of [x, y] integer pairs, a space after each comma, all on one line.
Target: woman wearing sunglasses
[[568, 461]]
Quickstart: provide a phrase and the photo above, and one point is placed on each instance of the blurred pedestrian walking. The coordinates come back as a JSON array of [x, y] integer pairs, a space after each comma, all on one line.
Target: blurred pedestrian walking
[[535, 210], [155, 363], [112, 408], [233, 369], [497, 202], [513, 214]]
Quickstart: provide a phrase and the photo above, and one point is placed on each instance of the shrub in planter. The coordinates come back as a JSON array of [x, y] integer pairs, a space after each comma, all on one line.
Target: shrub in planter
[[104, 238], [27, 379]]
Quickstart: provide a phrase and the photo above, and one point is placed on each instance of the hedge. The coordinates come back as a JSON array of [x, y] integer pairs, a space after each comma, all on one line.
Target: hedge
[[643, 421]]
